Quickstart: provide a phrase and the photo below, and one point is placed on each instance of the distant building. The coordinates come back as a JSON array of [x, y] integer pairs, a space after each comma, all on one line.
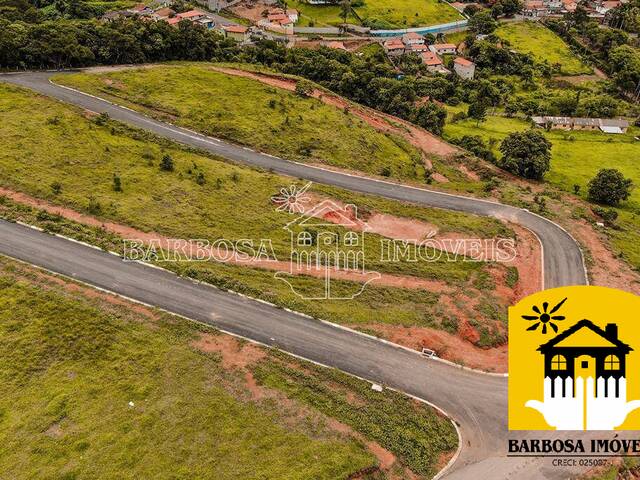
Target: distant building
[[433, 62], [162, 14], [393, 47], [606, 125], [239, 33], [412, 38], [464, 68], [534, 9], [443, 48], [192, 15], [418, 48]]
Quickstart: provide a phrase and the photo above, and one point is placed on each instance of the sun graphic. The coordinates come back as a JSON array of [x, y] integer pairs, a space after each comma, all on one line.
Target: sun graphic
[[292, 199], [545, 318]]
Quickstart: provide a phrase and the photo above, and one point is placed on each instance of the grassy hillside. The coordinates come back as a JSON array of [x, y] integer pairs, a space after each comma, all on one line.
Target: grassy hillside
[[251, 113], [576, 158], [381, 13], [73, 362], [50, 144], [543, 44]]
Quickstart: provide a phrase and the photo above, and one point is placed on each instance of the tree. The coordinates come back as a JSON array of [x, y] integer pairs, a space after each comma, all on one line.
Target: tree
[[609, 187], [117, 183], [482, 22], [167, 164], [527, 154], [304, 88], [478, 111], [430, 117], [345, 10]]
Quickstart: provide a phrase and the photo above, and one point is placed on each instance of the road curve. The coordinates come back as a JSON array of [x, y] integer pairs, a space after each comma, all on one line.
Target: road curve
[[563, 261], [476, 402]]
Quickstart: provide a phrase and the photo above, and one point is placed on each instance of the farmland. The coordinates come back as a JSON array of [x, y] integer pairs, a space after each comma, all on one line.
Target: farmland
[[98, 389]]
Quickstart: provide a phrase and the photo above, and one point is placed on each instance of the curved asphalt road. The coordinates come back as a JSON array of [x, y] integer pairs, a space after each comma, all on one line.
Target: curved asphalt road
[[476, 402], [563, 263]]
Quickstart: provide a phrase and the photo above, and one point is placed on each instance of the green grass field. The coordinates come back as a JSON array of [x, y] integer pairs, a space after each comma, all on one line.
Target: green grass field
[[543, 44], [383, 13], [72, 363], [48, 142], [576, 158], [248, 112]]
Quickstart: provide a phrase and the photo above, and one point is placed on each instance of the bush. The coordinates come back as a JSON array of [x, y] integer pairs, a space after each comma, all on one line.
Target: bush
[[304, 88], [167, 163]]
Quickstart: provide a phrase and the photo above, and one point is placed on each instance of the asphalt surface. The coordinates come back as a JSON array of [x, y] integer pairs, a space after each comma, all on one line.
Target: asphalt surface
[[477, 402]]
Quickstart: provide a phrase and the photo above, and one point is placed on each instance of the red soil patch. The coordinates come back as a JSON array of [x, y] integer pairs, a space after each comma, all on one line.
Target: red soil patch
[[234, 355], [420, 138], [189, 249], [607, 270], [447, 346]]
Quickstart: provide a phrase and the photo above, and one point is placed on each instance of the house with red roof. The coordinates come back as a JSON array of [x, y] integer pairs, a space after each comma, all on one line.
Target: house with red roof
[[412, 38], [433, 62], [239, 33], [393, 47], [464, 68], [443, 48]]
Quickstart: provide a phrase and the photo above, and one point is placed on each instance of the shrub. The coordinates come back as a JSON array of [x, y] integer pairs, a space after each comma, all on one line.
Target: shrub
[[609, 187]]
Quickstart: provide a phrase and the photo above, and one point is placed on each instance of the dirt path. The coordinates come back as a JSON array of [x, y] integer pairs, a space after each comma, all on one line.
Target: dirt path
[[426, 142]]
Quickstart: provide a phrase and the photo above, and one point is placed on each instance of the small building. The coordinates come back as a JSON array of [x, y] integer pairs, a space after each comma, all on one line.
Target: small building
[[443, 48], [418, 48], [192, 15], [293, 14], [606, 125], [569, 5], [140, 9], [393, 47], [173, 21], [433, 62], [464, 68], [239, 33], [163, 14], [606, 5], [412, 38], [534, 9]]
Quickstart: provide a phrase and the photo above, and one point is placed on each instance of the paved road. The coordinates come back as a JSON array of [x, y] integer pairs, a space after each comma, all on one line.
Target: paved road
[[563, 263], [476, 402]]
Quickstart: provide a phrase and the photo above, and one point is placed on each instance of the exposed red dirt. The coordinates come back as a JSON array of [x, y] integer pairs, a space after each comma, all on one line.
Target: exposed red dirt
[[448, 346], [234, 354]]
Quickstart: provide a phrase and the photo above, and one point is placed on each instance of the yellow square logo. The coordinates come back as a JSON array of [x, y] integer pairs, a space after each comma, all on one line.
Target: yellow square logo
[[574, 360]]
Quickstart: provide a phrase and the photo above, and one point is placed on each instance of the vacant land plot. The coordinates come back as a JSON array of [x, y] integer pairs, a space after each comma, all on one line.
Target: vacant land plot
[[576, 158], [251, 113], [544, 45], [53, 152], [381, 13], [93, 388]]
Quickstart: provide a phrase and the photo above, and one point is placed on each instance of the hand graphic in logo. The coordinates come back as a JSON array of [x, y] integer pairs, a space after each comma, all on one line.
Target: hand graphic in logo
[[565, 412], [608, 411], [604, 409]]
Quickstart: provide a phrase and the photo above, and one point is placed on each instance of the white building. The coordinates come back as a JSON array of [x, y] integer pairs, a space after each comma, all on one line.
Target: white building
[[464, 68], [443, 48]]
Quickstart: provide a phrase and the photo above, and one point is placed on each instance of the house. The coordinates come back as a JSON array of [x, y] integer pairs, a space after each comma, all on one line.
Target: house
[[393, 47], [173, 21], [293, 14], [433, 62], [418, 48], [585, 349], [606, 5], [443, 48], [239, 33], [192, 15], [412, 38], [163, 13], [140, 9], [569, 5], [534, 9], [277, 17], [464, 68], [606, 125], [206, 22]]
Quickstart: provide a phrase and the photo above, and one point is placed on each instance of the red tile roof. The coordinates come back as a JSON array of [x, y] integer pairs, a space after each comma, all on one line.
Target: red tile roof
[[463, 61], [190, 14], [431, 59], [235, 28], [443, 46]]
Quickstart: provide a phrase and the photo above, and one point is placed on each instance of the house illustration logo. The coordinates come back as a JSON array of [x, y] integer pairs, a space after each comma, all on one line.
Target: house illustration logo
[[328, 242], [572, 363]]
